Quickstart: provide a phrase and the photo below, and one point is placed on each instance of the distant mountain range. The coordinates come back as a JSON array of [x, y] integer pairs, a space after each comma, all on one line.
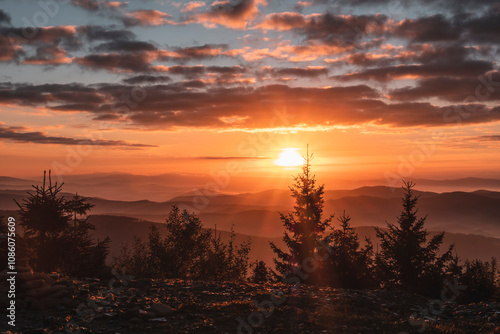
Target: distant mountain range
[[471, 219], [160, 188], [257, 214]]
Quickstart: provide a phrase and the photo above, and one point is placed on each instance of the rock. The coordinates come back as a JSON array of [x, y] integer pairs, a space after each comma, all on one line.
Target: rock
[[161, 309]]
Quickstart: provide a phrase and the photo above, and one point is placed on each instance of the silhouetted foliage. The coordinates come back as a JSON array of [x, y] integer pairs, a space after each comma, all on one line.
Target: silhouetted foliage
[[187, 251], [56, 245], [260, 272], [406, 259], [349, 265], [482, 279], [304, 228], [225, 262]]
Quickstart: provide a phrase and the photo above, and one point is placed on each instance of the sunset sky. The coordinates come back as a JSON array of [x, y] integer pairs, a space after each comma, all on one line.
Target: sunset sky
[[376, 88]]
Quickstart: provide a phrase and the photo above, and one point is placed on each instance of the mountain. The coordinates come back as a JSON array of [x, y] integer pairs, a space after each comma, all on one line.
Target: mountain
[[258, 213]]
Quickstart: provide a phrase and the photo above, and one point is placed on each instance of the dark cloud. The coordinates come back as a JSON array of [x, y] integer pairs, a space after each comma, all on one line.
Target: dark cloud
[[95, 33], [428, 29], [328, 28], [209, 106], [4, 17], [14, 134], [96, 5], [206, 51], [471, 68], [485, 28], [147, 79], [126, 46], [307, 72], [452, 89], [493, 138], [116, 62]]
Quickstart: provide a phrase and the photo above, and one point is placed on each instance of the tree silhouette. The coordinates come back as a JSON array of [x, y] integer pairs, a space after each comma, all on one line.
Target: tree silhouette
[[406, 259], [260, 272], [188, 251], [304, 228], [349, 266], [56, 245], [44, 217]]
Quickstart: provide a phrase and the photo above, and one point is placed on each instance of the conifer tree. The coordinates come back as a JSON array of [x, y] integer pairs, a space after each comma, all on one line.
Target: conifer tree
[[304, 228], [260, 272], [407, 259], [56, 245], [349, 265]]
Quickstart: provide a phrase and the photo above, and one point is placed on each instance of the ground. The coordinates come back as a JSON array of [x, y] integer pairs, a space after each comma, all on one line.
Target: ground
[[129, 305]]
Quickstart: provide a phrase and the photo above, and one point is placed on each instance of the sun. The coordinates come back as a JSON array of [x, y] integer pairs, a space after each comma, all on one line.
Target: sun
[[289, 157]]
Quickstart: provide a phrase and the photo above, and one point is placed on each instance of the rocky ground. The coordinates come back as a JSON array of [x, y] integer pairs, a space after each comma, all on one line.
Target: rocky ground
[[128, 305]]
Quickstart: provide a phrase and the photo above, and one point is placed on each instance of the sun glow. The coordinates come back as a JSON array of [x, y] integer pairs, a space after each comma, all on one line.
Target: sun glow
[[289, 157]]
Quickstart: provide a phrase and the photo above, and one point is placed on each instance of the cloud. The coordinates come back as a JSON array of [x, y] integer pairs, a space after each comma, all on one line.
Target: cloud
[[451, 89], [48, 55], [192, 5], [9, 51], [50, 35], [118, 62], [4, 17], [147, 79], [307, 72], [96, 5], [95, 33], [124, 45], [427, 29], [14, 134], [327, 28], [206, 51], [493, 138], [177, 105], [232, 14], [470, 68], [147, 17]]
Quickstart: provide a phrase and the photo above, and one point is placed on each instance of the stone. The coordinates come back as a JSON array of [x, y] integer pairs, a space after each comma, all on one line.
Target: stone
[[161, 309]]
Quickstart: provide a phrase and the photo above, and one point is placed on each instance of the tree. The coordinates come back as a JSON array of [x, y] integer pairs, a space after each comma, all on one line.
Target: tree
[[349, 265], [186, 243], [406, 259], [188, 251], [304, 228], [56, 245], [260, 272], [44, 217], [481, 279], [225, 262]]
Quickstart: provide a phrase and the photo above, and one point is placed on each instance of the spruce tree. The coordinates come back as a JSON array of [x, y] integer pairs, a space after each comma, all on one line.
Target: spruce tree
[[349, 265], [54, 243], [304, 228], [407, 259]]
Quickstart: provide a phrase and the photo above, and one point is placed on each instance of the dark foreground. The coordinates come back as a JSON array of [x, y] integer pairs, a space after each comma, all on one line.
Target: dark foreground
[[155, 306]]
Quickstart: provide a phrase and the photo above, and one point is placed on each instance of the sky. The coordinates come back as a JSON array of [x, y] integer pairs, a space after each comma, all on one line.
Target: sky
[[377, 89]]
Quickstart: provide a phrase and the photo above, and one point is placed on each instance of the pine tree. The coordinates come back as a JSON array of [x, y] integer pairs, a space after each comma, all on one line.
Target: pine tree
[[44, 218], [304, 228], [349, 265], [406, 259], [56, 245], [260, 272]]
